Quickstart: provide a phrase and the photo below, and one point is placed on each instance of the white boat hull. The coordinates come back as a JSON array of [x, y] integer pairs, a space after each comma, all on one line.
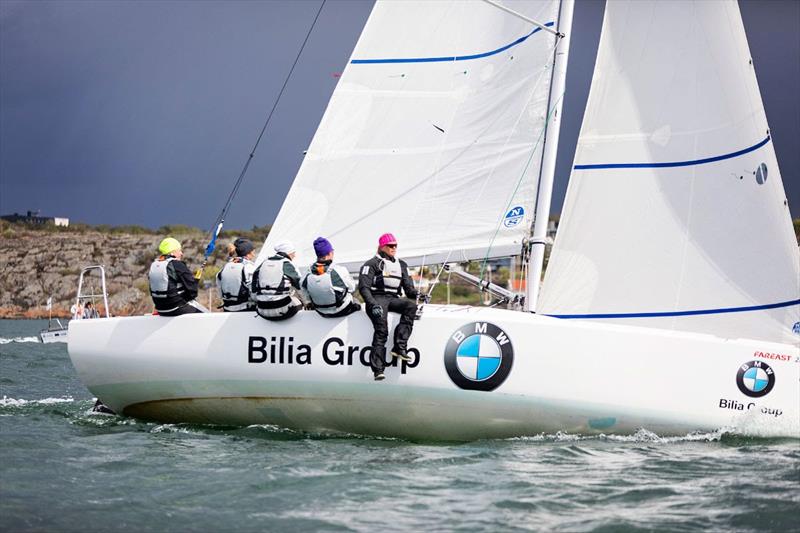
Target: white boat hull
[[53, 335], [229, 368]]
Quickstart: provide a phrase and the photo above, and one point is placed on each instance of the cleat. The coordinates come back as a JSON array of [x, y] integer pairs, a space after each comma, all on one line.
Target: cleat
[[379, 376]]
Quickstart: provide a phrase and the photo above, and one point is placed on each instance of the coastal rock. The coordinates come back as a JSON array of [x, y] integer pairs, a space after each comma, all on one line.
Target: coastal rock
[[37, 264]]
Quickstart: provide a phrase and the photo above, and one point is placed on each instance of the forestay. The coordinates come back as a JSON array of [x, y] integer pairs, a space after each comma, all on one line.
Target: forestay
[[676, 215], [433, 133]]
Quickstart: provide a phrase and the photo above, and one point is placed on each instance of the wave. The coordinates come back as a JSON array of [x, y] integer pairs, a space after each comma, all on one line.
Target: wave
[[5, 340], [14, 402], [642, 435]]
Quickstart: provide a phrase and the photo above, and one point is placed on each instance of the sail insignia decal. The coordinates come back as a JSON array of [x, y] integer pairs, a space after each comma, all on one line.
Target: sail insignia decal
[[685, 313], [714, 159], [514, 216], [449, 58]]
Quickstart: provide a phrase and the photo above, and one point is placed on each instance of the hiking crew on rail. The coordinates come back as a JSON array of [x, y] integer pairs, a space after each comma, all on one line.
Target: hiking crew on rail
[[172, 285], [381, 282], [273, 289], [328, 286], [235, 278], [275, 285]]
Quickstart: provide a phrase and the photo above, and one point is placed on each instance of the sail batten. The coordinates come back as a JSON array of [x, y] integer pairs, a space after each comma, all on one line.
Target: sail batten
[[430, 143]]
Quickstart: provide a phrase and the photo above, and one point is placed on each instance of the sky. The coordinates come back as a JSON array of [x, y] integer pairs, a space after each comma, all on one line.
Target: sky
[[119, 112]]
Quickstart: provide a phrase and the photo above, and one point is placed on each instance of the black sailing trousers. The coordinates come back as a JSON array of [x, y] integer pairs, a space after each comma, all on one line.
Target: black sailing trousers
[[407, 310]]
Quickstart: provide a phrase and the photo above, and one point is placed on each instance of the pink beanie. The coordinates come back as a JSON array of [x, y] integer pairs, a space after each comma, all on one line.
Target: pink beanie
[[386, 238]]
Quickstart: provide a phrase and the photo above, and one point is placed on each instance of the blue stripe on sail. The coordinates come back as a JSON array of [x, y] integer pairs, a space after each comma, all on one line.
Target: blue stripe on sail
[[448, 58], [674, 163], [686, 313]]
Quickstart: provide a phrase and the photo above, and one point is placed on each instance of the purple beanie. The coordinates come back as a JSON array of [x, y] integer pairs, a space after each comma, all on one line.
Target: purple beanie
[[322, 246]]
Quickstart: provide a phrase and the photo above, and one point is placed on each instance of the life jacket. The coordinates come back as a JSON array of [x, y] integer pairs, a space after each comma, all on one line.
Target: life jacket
[[272, 289], [166, 288], [389, 278], [326, 289], [232, 282]]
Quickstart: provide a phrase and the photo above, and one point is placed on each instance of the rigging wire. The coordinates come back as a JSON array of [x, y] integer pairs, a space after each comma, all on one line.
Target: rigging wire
[[519, 182], [542, 136], [220, 221], [516, 188], [439, 273]]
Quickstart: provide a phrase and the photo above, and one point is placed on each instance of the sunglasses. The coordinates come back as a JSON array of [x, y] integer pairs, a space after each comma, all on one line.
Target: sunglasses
[[391, 245]]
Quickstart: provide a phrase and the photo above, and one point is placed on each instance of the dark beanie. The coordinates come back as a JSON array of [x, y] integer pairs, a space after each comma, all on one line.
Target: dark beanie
[[243, 246], [322, 246]]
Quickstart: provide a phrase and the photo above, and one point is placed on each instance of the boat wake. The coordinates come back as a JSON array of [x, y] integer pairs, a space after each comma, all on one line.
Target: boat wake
[[642, 435], [13, 403], [6, 340], [725, 435]]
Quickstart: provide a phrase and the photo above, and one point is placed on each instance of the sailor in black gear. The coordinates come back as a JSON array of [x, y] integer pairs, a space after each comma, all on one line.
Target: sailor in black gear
[[274, 284], [328, 286], [381, 282], [172, 285], [236, 277]]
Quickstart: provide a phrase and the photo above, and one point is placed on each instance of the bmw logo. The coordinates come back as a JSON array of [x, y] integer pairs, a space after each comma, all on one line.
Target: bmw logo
[[478, 356], [755, 379]]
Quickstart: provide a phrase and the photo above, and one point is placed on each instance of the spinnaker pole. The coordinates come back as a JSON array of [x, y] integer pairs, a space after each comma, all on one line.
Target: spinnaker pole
[[545, 191]]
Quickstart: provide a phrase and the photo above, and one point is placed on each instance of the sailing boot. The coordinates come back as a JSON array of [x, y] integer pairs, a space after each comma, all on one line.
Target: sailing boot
[[401, 353], [377, 360]]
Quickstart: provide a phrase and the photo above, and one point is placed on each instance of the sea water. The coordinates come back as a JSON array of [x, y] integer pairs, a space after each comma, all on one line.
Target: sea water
[[65, 469]]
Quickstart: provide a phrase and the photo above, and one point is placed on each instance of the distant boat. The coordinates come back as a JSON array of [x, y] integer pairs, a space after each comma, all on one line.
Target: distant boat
[[55, 332], [83, 308], [672, 288]]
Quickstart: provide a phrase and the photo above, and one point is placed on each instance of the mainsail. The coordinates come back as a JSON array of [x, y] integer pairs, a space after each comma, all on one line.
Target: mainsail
[[434, 133], [676, 215]]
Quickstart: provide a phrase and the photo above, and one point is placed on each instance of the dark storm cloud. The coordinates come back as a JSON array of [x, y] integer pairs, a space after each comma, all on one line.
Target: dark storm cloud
[[144, 112]]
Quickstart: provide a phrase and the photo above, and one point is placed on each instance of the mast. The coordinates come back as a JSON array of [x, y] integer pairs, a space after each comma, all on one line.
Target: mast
[[542, 213]]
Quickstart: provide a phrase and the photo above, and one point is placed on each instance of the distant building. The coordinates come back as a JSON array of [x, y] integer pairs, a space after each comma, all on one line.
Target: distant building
[[33, 217]]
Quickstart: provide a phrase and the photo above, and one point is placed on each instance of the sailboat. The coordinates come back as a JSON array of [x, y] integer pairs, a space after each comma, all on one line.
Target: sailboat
[[672, 292], [54, 332]]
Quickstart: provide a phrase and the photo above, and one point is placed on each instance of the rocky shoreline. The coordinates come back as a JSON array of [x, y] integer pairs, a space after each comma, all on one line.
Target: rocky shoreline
[[38, 263]]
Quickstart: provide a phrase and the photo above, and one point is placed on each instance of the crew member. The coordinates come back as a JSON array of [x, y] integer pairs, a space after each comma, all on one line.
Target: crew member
[[235, 278], [328, 286], [381, 282], [274, 284], [172, 285], [90, 312]]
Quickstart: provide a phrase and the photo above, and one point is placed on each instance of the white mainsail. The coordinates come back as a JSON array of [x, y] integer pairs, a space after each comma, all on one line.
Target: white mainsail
[[676, 215], [434, 133]]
